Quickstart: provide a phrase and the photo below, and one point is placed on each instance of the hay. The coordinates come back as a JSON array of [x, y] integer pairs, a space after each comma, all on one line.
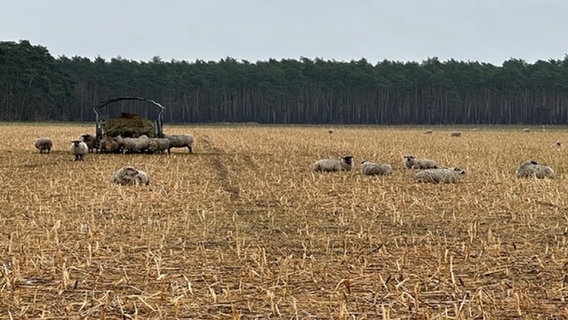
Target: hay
[[128, 125]]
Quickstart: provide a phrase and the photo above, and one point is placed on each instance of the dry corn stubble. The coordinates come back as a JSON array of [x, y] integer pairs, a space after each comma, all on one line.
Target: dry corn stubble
[[242, 228]]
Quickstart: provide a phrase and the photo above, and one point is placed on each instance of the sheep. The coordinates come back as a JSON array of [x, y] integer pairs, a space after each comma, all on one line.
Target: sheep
[[532, 169], [78, 148], [139, 144], [90, 140], [158, 145], [111, 144], [410, 162], [429, 131], [180, 141], [526, 130], [557, 145], [371, 168], [455, 134], [449, 175], [129, 175], [340, 164], [43, 144]]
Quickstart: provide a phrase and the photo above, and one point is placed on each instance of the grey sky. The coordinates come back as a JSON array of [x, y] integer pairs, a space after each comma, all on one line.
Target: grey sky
[[402, 30]]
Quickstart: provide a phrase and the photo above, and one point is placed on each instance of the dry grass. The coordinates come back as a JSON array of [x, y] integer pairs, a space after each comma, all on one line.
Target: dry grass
[[242, 229]]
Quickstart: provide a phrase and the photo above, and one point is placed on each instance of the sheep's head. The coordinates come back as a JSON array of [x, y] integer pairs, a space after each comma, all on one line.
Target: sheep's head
[[409, 157], [348, 159], [130, 170], [76, 143], [459, 170]]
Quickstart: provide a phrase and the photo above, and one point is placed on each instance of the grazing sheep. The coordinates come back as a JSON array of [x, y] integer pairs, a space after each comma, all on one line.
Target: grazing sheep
[[340, 164], [90, 140], [557, 145], [410, 162], [130, 176], [43, 144], [78, 148], [180, 141], [526, 130], [111, 144], [450, 175], [135, 145], [429, 131], [455, 134], [330, 131], [158, 145], [532, 169], [371, 168]]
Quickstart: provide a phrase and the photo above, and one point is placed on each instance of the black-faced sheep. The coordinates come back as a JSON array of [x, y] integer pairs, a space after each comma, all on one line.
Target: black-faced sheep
[[43, 144], [130, 176], [371, 168], [532, 169], [410, 162], [90, 140], [180, 141], [340, 164], [78, 148], [450, 175]]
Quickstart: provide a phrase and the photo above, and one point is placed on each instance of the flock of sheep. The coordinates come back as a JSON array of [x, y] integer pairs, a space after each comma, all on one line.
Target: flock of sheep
[[429, 170], [127, 175]]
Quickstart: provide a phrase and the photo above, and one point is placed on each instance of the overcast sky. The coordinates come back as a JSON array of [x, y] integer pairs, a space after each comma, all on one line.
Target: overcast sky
[[489, 31]]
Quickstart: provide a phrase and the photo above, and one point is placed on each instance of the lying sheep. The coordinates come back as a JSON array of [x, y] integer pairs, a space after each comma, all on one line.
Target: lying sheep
[[158, 145], [532, 169], [78, 148], [450, 175], [111, 144], [371, 168], [410, 162], [429, 131], [130, 176], [43, 144], [340, 164], [90, 140], [455, 134], [180, 141]]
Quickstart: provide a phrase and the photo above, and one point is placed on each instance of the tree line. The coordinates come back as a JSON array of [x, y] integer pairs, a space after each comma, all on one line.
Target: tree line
[[35, 86]]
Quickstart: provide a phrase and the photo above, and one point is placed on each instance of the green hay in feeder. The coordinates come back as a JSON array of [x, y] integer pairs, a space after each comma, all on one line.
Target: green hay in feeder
[[128, 125]]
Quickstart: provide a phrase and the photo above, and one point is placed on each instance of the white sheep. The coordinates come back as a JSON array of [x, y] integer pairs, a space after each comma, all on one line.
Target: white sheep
[[78, 148], [180, 141], [449, 175], [455, 134], [371, 168], [429, 131], [531, 168], [129, 175], [158, 145], [43, 144], [410, 162], [133, 145], [339, 164]]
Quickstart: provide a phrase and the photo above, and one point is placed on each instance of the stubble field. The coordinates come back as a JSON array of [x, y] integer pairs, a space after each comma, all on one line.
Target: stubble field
[[242, 229]]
